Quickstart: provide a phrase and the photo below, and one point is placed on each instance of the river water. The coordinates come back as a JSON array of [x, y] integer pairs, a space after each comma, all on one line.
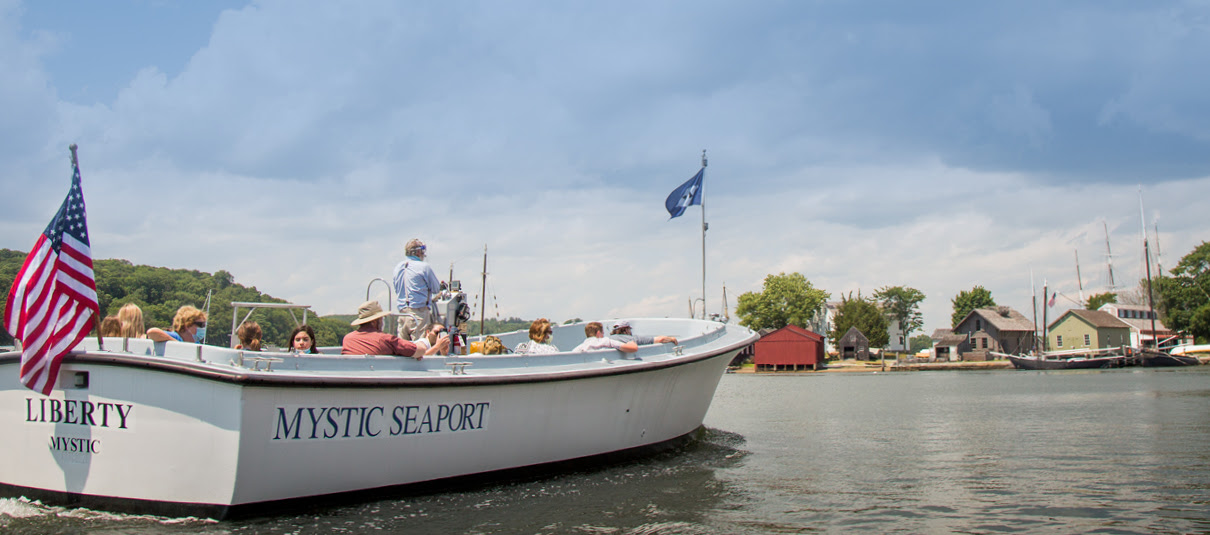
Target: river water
[[1113, 451]]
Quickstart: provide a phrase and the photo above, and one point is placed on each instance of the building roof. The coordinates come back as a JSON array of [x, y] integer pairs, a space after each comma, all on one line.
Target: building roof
[[950, 340], [941, 333], [1138, 324], [793, 330], [853, 331], [1097, 318], [1003, 319]]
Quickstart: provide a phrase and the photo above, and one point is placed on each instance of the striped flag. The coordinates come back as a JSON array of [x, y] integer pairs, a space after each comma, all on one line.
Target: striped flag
[[54, 296]]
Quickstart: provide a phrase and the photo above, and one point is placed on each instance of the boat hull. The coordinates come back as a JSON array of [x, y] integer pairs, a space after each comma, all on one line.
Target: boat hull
[[175, 439], [1033, 363]]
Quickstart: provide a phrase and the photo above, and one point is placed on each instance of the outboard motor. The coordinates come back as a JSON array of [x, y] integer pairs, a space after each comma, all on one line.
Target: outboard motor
[[454, 312]]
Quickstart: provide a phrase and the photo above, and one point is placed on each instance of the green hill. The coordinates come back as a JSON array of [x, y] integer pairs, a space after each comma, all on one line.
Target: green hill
[[161, 291]]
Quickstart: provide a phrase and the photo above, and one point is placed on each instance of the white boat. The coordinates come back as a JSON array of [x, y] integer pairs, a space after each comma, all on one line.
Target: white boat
[[185, 429]]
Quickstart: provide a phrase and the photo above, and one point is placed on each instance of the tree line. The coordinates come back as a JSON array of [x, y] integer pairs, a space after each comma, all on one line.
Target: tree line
[[160, 291], [1181, 297]]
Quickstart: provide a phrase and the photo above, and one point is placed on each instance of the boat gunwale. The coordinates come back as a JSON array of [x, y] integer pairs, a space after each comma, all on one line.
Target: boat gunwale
[[243, 376]]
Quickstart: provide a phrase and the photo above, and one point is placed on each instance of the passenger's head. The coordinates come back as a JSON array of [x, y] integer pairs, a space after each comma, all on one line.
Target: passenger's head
[[302, 339], [111, 326], [131, 317], [434, 332], [541, 330], [370, 312], [249, 334], [416, 248], [493, 346], [188, 317], [621, 327], [593, 329]]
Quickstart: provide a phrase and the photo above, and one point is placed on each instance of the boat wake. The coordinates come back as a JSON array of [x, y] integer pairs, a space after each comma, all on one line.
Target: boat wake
[[22, 515]]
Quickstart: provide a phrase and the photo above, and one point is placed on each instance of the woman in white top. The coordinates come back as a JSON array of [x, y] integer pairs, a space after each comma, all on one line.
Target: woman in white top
[[435, 341], [540, 333]]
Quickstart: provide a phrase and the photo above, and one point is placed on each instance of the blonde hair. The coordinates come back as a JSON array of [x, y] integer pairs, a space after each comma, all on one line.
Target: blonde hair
[[131, 317], [493, 346], [185, 316], [539, 330]]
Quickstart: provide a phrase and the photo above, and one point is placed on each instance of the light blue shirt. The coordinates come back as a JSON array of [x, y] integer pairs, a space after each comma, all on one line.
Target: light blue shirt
[[414, 282]]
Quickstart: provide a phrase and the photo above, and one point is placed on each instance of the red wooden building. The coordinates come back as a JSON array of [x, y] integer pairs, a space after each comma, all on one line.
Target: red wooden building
[[789, 348]]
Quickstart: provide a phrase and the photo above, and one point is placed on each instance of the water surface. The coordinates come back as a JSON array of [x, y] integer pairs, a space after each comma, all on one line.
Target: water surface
[[1114, 451]]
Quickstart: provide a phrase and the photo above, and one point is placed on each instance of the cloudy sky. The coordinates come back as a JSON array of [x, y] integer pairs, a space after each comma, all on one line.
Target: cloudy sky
[[298, 145]]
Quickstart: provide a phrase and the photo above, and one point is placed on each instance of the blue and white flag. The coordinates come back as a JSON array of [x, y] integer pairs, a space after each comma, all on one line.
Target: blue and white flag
[[686, 195]]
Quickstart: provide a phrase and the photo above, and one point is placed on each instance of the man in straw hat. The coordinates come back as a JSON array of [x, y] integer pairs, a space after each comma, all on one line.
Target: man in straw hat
[[369, 339]]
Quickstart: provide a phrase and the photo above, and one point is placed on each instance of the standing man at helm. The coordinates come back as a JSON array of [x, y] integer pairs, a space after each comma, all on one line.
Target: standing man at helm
[[415, 285]]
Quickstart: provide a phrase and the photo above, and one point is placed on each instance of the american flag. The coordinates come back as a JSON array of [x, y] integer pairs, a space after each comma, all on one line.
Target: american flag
[[54, 296]]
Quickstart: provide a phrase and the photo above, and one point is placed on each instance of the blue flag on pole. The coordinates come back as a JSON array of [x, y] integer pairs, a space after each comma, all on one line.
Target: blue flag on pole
[[686, 195]]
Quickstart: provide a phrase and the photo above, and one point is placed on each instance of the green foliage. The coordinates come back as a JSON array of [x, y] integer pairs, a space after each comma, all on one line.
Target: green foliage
[[920, 341], [967, 301], [864, 314], [785, 300], [1095, 301], [10, 263], [1184, 298], [159, 292], [902, 304], [497, 326]]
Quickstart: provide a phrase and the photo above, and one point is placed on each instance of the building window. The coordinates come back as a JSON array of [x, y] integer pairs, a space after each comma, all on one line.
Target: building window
[[1059, 341], [1087, 339], [985, 343], [978, 325]]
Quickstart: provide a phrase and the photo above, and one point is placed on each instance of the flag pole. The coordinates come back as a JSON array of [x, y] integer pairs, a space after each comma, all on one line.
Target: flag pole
[[704, 227], [96, 318]]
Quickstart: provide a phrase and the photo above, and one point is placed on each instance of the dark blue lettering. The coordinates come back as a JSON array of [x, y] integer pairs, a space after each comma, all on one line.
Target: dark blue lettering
[[332, 421], [427, 419], [348, 419], [315, 419], [283, 425], [105, 413], [29, 410], [443, 413], [56, 413], [456, 421], [482, 412], [411, 418], [367, 421], [397, 427], [468, 412], [69, 411]]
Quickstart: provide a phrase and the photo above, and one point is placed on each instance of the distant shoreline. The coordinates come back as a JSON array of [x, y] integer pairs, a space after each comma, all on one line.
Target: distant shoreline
[[852, 366]]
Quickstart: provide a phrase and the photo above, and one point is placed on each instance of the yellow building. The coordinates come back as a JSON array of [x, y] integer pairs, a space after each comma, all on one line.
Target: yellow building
[[1087, 329]]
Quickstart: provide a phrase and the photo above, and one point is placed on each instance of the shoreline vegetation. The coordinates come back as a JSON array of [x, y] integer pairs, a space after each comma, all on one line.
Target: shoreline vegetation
[[856, 366]]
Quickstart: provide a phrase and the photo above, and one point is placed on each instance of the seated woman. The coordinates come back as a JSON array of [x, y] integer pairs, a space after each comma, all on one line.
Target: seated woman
[[188, 325], [302, 340], [435, 341], [540, 332], [131, 317], [249, 334], [111, 326]]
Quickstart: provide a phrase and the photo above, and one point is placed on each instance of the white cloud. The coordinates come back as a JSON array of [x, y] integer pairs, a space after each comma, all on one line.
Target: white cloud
[[939, 147]]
